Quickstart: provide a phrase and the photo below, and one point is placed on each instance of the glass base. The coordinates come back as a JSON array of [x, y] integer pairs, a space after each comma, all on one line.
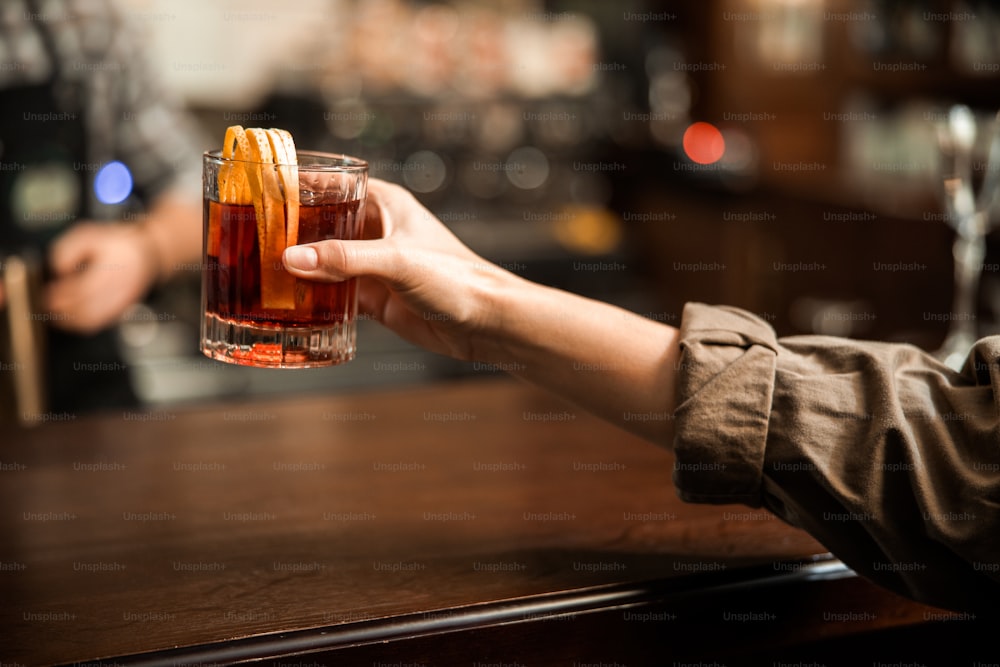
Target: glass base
[[276, 347]]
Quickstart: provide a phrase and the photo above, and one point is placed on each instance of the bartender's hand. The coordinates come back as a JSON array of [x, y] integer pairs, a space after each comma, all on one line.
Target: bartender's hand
[[423, 283], [99, 270]]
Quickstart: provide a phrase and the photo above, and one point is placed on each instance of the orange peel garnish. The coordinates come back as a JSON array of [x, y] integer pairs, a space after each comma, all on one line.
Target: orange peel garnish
[[267, 178], [233, 186], [285, 157]]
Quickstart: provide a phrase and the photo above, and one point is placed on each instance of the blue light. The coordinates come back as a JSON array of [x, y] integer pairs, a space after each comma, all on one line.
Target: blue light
[[113, 183]]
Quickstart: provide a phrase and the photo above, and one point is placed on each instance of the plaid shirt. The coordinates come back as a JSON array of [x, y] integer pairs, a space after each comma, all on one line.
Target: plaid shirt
[[92, 57]]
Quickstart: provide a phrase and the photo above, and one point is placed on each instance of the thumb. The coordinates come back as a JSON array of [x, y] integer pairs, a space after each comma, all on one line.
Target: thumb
[[335, 260]]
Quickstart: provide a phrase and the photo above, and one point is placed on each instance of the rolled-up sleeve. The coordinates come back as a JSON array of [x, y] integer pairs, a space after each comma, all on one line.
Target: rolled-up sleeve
[[882, 453]]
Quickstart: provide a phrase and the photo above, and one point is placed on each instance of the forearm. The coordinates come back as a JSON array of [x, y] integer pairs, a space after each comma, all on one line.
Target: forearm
[[609, 361], [428, 287], [172, 228]]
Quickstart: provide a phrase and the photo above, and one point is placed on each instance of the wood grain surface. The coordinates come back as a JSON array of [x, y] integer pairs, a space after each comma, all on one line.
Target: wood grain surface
[[140, 532]]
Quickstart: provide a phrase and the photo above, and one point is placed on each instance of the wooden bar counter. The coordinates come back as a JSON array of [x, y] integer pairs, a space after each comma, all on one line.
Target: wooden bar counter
[[475, 522]]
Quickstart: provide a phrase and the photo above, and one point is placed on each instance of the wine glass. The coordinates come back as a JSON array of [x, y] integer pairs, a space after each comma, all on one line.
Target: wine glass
[[968, 214]]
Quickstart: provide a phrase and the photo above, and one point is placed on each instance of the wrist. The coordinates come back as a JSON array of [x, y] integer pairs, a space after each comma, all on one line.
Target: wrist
[[504, 326], [154, 259], [607, 360], [173, 234]]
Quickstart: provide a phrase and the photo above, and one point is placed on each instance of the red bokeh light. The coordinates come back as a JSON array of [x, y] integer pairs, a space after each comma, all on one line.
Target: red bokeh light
[[703, 143]]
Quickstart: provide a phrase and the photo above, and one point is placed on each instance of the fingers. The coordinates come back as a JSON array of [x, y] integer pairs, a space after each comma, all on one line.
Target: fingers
[[65, 300], [376, 226], [82, 302], [392, 210], [67, 297], [99, 270], [71, 251], [373, 296], [375, 255], [403, 246], [334, 261]]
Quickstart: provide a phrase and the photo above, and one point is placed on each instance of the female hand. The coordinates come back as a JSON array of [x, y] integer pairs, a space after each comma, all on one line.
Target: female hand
[[417, 278]]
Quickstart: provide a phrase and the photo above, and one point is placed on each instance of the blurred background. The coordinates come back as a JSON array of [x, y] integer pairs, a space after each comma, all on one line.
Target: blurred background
[[784, 156]]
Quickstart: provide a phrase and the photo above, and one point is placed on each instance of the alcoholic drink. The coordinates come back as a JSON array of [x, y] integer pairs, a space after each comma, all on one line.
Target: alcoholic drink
[[233, 273], [255, 312]]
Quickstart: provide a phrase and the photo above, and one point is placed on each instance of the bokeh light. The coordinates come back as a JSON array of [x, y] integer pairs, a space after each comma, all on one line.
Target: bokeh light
[[703, 143], [424, 171], [113, 183], [527, 168]]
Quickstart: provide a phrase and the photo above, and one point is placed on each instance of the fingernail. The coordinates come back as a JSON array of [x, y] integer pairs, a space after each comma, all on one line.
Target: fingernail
[[302, 258]]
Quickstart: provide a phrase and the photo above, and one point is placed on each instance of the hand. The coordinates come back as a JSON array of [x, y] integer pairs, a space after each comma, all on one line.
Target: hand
[[418, 279], [99, 270], [424, 284]]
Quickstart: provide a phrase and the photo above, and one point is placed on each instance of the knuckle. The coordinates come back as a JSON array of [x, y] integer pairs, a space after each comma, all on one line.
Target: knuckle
[[343, 260], [335, 260]]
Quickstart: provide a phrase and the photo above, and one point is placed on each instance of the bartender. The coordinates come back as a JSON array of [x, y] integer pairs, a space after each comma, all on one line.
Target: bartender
[[91, 185]]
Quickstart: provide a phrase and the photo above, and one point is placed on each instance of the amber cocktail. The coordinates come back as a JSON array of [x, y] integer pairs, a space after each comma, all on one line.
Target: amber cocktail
[[255, 312]]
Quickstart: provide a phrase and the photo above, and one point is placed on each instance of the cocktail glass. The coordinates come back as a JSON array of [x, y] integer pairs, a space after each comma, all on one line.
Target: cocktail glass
[[255, 313]]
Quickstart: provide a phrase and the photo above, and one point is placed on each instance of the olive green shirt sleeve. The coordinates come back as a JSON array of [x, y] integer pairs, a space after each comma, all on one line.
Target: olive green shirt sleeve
[[882, 453]]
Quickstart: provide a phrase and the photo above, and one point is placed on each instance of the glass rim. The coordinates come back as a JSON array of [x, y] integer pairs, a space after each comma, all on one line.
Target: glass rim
[[337, 162]]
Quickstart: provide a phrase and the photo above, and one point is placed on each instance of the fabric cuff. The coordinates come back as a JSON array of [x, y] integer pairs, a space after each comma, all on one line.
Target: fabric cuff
[[725, 384]]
